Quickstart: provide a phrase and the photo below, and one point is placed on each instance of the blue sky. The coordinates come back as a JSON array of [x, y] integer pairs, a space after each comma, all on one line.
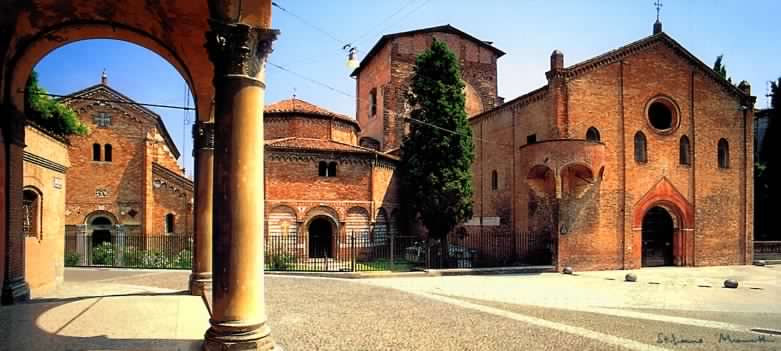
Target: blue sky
[[747, 33]]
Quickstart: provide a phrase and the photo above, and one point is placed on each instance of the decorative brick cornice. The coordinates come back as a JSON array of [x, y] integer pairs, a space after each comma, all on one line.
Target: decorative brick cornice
[[203, 136], [45, 163], [237, 49]]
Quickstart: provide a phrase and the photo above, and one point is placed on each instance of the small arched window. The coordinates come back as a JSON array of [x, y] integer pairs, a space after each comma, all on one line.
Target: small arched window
[[723, 153], [322, 169], [685, 151], [170, 220], [592, 134], [332, 169], [31, 207], [641, 154], [494, 180], [107, 153], [96, 152]]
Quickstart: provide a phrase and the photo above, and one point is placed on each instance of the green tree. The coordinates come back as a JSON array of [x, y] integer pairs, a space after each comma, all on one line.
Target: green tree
[[766, 171], [719, 67], [48, 113], [438, 151]]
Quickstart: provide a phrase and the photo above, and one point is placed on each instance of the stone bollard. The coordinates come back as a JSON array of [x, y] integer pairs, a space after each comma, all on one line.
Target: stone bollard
[[731, 283], [567, 270], [630, 277], [760, 263]]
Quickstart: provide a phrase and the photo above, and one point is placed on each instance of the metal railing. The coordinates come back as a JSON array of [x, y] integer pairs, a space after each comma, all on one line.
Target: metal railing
[[353, 252], [767, 250], [129, 251]]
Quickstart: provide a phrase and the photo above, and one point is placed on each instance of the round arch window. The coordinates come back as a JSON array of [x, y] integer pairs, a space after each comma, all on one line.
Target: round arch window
[[662, 115]]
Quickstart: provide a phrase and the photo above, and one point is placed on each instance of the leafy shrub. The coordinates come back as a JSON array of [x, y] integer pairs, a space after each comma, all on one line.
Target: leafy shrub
[[103, 254], [133, 257], [155, 259], [72, 259], [281, 262], [50, 114], [184, 259]]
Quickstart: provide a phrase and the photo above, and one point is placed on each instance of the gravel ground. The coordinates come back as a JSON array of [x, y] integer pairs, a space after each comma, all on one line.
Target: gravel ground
[[338, 314]]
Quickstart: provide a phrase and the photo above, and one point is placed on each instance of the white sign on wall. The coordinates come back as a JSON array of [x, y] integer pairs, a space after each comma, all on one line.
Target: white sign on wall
[[57, 183], [491, 221]]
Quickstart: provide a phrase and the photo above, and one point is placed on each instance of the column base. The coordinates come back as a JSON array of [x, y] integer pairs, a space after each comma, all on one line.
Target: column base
[[15, 291], [235, 336], [200, 282]]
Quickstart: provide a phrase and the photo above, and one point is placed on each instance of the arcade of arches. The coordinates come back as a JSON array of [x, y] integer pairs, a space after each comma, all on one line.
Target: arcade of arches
[[225, 72]]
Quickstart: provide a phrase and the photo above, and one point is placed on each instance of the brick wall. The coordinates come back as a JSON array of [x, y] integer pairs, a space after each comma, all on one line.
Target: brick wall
[[391, 68], [137, 143]]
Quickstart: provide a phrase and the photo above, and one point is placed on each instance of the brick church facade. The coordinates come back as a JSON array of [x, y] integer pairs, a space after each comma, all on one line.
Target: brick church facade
[[124, 178], [641, 156]]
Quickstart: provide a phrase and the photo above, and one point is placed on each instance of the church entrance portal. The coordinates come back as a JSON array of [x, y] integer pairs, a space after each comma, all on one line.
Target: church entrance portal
[[320, 238], [101, 231], [657, 236]]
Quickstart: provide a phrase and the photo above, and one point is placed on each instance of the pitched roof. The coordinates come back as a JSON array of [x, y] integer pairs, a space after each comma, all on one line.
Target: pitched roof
[[311, 144], [444, 29], [301, 107], [636, 46], [115, 95], [613, 56]]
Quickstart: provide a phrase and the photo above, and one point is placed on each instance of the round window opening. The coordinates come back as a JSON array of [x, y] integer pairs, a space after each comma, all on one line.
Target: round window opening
[[661, 115]]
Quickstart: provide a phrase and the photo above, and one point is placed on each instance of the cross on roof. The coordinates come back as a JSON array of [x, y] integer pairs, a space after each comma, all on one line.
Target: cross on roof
[[658, 4]]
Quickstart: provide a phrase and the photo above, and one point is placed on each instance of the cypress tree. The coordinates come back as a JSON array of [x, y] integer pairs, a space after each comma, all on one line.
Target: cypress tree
[[438, 152]]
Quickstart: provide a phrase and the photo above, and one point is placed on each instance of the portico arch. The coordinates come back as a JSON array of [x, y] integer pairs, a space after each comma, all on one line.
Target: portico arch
[[220, 48], [664, 196]]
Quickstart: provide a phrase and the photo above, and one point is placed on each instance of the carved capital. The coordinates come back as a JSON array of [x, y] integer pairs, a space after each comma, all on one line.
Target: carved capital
[[203, 136], [237, 49]]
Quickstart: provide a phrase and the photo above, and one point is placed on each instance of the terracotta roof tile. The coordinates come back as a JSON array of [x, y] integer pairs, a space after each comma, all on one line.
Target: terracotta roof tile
[[320, 145]]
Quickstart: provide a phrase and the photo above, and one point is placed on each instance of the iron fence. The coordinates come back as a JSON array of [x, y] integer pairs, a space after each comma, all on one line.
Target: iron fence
[[494, 248], [353, 252], [767, 250], [129, 251]]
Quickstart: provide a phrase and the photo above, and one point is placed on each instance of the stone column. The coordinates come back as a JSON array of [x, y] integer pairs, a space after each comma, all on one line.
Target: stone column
[[203, 152], [15, 288], [238, 52]]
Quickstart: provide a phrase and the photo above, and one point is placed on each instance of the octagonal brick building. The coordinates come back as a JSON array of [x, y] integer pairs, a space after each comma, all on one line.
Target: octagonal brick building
[[322, 187]]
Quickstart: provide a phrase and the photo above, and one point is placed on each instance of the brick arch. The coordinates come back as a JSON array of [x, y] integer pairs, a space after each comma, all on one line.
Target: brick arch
[[100, 213], [41, 45], [322, 211], [665, 195]]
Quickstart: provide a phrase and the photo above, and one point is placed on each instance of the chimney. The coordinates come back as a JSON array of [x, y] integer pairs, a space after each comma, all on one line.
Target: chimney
[[556, 61], [745, 87], [104, 78]]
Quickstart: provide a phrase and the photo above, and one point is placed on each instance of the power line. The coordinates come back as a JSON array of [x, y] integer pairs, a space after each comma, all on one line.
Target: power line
[[394, 113], [424, 3], [384, 22], [319, 29], [123, 102]]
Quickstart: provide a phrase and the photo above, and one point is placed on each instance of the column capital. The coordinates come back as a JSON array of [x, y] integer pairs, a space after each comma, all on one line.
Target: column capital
[[238, 49], [203, 136]]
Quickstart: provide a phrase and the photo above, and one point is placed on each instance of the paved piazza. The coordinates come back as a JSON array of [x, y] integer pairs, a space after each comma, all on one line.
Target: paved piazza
[[666, 309]]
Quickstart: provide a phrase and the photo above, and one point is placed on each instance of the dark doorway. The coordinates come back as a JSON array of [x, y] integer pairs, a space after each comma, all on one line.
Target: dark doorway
[[101, 231], [657, 238], [320, 238]]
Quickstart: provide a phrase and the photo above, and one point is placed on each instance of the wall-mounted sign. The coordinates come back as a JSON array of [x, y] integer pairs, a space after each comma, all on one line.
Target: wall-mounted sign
[[57, 183]]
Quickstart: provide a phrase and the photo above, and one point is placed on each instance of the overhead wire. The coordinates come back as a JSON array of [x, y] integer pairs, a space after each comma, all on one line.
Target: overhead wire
[[394, 113]]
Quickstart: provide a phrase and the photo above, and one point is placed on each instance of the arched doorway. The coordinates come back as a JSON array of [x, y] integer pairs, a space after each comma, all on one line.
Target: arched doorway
[[320, 238], [100, 230], [657, 237]]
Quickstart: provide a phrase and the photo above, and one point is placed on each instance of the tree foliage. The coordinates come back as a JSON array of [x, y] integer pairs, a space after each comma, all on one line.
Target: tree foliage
[[438, 152], [48, 113], [720, 68], [766, 171]]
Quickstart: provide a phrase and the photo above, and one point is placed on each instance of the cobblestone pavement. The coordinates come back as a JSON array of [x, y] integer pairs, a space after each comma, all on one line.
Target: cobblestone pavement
[[464, 313]]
